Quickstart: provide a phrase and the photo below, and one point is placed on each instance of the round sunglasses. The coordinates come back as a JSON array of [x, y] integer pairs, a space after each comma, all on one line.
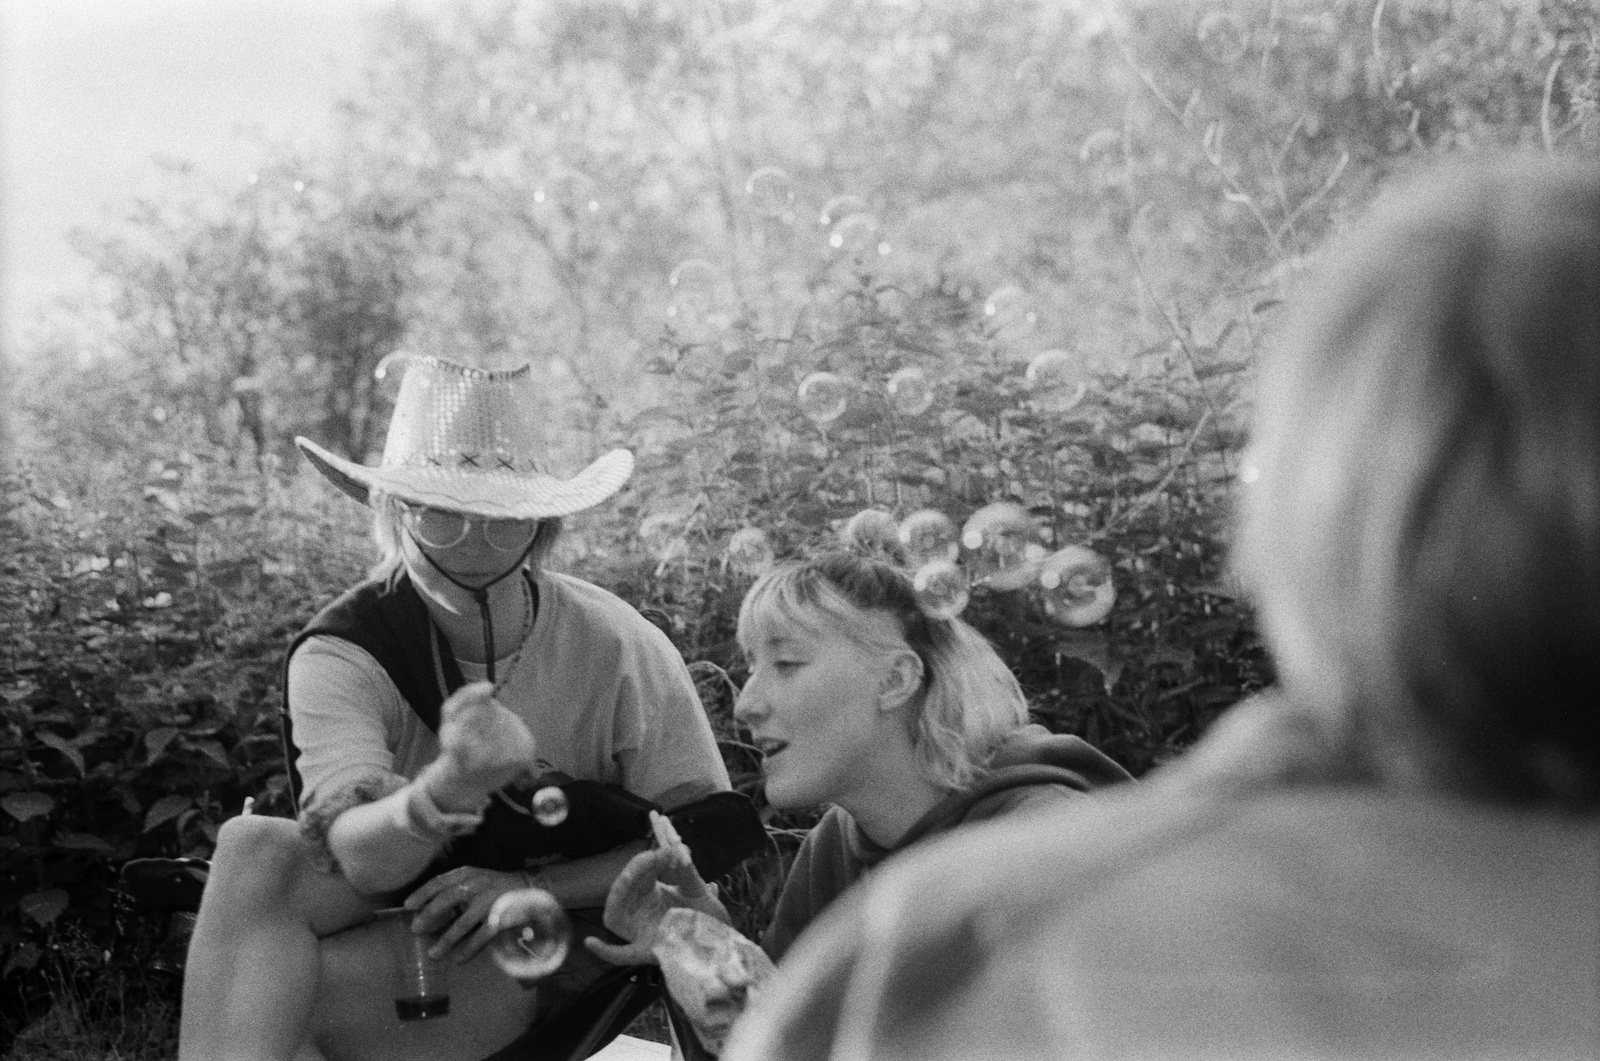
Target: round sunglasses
[[439, 529]]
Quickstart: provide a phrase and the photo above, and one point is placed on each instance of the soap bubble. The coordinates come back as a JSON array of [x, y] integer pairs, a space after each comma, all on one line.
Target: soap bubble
[[1009, 313], [909, 391], [998, 536], [1103, 156], [871, 530], [695, 275], [929, 535], [696, 287], [823, 397], [840, 207], [549, 806], [1075, 586], [1223, 37], [1030, 73], [662, 535], [1103, 147], [856, 234], [532, 934], [941, 588], [771, 191], [750, 551], [1056, 379]]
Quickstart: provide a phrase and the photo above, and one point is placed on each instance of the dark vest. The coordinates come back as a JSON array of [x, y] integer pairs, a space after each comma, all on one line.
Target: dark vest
[[392, 624]]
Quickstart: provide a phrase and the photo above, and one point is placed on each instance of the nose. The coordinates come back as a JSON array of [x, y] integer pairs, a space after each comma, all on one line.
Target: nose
[[750, 706]]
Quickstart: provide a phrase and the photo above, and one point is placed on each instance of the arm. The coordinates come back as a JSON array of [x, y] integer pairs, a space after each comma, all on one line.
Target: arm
[[384, 844]]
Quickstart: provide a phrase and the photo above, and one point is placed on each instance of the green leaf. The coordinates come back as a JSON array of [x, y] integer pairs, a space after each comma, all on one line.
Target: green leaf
[[156, 741], [43, 907], [82, 842], [24, 806], [165, 498], [214, 751], [1096, 651], [64, 746], [165, 809]]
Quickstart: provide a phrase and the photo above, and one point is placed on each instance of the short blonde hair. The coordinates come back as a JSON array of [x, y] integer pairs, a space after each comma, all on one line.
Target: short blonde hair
[[970, 701], [388, 534], [1423, 539]]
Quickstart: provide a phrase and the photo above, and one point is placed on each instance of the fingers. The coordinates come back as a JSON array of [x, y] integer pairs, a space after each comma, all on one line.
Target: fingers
[[472, 692], [667, 838], [458, 902], [483, 745], [633, 904], [678, 869], [626, 954], [435, 902], [478, 940]]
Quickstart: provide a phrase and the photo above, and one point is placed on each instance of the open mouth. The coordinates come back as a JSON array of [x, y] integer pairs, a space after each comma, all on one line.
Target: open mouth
[[769, 746]]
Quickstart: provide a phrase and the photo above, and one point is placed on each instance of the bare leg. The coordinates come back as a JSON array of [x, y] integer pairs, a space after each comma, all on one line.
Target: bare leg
[[250, 983], [270, 951]]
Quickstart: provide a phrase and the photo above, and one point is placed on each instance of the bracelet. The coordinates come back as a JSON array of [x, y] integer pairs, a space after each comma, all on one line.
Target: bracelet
[[418, 816]]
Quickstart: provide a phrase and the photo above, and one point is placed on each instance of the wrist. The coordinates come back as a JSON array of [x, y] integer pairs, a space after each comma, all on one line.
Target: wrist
[[416, 813], [449, 789]]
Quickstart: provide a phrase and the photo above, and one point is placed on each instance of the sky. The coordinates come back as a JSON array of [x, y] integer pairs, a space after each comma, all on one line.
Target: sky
[[92, 91]]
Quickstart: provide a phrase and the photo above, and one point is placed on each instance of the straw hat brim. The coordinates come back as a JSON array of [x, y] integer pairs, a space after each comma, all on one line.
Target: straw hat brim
[[492, 494]]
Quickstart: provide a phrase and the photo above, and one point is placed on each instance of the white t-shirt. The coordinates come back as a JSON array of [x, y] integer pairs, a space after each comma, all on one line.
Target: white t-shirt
[[604, 693]]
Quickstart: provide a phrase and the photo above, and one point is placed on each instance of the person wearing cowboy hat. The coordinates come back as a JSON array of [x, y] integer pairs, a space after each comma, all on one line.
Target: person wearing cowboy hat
[[415, 699]]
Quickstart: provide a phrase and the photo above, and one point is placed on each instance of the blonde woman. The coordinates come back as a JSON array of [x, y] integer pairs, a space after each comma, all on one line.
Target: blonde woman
[[427, 703], [1396, 854], [905, 725]]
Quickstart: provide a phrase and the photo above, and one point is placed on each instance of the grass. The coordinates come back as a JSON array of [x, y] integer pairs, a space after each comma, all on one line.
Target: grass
[[117, 1019]]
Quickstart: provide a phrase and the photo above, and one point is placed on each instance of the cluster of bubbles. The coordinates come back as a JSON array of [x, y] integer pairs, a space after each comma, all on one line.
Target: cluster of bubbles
[[698, 295], [1003, 551], [1056, 380], [1000, 548], [852, 228]]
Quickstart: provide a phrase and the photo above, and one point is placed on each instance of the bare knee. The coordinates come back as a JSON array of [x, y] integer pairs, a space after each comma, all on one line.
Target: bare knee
[[259, 860]]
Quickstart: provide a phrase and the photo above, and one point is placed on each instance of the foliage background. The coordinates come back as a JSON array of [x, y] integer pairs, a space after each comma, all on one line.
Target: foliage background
[[1138, 187]]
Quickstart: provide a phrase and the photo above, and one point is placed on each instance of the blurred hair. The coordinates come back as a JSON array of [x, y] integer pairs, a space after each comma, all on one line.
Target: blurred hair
[[970, 701], [388, 534], [1423, 538]]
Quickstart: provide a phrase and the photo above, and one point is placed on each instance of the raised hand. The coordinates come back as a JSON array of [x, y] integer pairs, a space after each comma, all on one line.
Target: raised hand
[[483, 746], [651, 885]]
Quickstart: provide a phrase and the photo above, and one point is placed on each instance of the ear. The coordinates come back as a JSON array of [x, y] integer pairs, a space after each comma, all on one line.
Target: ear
[[901, 681]]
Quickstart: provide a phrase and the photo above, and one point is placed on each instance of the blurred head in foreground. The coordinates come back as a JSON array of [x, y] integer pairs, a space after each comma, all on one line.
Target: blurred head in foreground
[[1422, 535]]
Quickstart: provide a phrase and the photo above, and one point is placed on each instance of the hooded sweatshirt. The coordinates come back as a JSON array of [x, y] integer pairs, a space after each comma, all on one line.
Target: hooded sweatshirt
[[1034, 768]]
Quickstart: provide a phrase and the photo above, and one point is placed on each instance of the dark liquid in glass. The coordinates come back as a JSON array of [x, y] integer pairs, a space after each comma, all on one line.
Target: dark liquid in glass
[[422, 1008]]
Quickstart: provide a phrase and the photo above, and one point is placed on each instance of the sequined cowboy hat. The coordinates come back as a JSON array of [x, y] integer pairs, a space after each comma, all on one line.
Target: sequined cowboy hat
[[463, 439]]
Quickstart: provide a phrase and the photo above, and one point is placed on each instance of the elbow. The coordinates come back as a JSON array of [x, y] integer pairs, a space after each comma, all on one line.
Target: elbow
[[367, 877]]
